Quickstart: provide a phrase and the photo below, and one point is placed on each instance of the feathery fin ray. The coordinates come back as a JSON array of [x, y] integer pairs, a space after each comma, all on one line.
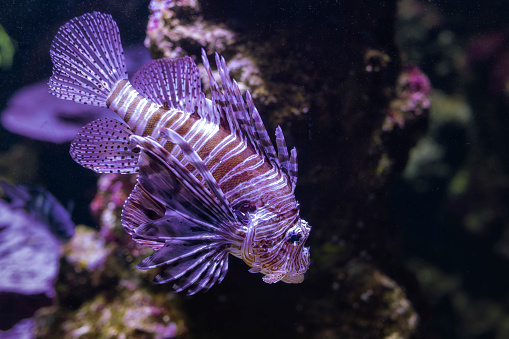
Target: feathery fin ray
[[103, 146], [190, 223], [193, 229], [172, 83], [88, 59]]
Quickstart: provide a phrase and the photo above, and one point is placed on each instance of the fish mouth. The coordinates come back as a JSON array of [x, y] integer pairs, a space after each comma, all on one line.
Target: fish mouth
[[293, 278], [302, 261]]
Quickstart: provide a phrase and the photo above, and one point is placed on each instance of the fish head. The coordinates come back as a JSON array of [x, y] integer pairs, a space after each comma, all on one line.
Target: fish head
[[292, 260]]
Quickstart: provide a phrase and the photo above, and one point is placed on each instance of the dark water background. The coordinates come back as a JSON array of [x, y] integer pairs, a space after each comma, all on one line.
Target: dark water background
[[465, 236]]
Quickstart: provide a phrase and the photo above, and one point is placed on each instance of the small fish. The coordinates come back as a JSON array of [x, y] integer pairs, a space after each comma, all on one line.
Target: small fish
[[210, 183], [41, 206]]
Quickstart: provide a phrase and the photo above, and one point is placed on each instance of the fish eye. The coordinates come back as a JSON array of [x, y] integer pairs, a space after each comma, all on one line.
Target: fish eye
[[294, 239]]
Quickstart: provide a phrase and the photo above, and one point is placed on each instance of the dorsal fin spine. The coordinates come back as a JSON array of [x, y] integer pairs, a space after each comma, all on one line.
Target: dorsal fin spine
[[282, 152], [293, 167]]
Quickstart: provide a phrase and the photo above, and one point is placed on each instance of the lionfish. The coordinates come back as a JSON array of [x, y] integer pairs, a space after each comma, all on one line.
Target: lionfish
[[210, 183]]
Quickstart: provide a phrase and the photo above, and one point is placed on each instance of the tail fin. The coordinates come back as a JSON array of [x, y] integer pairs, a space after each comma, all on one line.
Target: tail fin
[[88, 59]]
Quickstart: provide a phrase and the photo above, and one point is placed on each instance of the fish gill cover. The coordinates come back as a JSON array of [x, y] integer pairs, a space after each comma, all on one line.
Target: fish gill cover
[[210, 181]]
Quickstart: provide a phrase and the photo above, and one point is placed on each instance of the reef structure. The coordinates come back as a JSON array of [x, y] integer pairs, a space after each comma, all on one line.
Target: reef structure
[[354, 110]]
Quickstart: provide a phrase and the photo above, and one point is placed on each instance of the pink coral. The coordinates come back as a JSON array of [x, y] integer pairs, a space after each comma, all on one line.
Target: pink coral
[[413, 91], [112, 191]]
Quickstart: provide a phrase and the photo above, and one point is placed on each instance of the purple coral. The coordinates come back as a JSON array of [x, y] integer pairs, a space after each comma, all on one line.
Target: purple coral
[[112, 191], [413, 91], [414, 88], [30, 254], [29, 260]]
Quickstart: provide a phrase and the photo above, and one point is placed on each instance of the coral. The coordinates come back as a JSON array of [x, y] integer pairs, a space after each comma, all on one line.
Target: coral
[[428, 160], [35, 113], [29, 263], [172, 22], [101, 294], [22, 330], [413, 91], [130, 312], [87, 251], [112, 191], [28, 244]]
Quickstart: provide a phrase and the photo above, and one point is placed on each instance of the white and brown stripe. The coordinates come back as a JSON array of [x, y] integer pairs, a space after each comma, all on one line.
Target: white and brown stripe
[[242, 173]]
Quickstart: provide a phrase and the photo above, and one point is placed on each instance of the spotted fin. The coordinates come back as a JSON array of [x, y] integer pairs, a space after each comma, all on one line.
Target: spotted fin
[[88, 59], [188, 225], [103, 146], [172, 83]]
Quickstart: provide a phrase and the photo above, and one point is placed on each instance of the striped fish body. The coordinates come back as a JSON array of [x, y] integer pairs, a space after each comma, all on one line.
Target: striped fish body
[[210, 183], [232, 162]]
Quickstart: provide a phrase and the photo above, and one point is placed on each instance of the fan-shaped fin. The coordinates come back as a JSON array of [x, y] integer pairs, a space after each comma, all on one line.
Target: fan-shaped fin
[[172, 83], [103, 146]]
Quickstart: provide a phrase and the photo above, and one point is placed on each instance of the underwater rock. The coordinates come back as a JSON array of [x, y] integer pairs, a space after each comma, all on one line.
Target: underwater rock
[[474, 316], [173, 23], [128, 313], [87, 266], [100, 294], [453, 196], [382, 309]]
